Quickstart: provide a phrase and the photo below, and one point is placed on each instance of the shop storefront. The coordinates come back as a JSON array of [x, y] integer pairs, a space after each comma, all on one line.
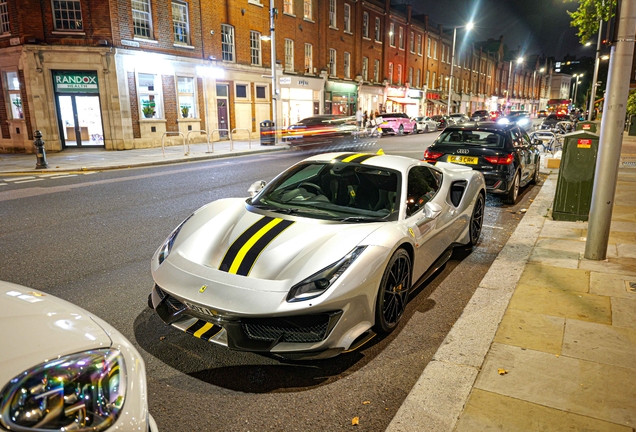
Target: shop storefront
[[370, 98], [341, 98], [397, 101], [79, 115], [414, 107], [434, 104], [300, 98]]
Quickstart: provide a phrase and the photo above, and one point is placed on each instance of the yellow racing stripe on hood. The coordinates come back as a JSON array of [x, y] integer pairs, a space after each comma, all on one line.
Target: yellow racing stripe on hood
[[248, 245]]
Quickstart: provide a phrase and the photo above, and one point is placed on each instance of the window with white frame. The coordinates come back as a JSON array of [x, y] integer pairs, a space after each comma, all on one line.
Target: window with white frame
[[365, 24], [288, 7], [332, 62], [434, 81], [332, 13], [5, 28], [411, 76], [376, 71], [443, 53], [227, 42], [261, 92], [365, 68], [242, 91], [307, 9], [142, 19], [419, 44], [149, 91], [347, 17], [378, 28], [289, 55], [428, 47], [185, 89], [412, 43], [390, 73], [67, 15], [401, 38], [428, 77], [12, 84], [255, 48], [392, 34], [435, 49], [399, 74], [309, 58], [418, 78], [347, 65], [180, 25]]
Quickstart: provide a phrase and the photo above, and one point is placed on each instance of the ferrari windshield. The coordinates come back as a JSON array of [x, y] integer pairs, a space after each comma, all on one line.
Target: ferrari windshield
[[342, 191]]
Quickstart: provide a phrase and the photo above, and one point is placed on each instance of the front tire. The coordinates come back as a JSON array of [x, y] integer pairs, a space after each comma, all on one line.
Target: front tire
[[393, 293], [535, 176], [401, 130], [426, 129], [513, 193], [477, 220], [415, 131]]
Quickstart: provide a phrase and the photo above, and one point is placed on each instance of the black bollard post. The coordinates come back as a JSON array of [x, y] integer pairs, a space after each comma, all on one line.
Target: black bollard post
[[40, 151]]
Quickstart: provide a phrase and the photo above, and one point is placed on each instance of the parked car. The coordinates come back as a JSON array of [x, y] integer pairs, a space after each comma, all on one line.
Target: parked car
[[319, 260], [63, 368], [502, 152], [441, 121], [425, 124], [520, 118], [542, 113], [481, 115], [396, 124], [459, 118], [494, 115]]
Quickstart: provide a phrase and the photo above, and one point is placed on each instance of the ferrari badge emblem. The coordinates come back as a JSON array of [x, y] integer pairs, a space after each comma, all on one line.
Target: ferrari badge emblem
[[203, 288], [411, 232]]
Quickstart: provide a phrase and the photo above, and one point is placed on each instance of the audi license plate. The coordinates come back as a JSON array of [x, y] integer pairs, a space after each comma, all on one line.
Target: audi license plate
[[463, 160], [200, 309]]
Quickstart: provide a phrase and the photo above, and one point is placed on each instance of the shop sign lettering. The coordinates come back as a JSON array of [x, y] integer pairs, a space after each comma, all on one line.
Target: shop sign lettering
[[76, 82], [302, 82]]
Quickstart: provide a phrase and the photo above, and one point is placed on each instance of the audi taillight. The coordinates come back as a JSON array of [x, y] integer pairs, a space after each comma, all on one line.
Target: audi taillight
[[432, 156], [500, 160]]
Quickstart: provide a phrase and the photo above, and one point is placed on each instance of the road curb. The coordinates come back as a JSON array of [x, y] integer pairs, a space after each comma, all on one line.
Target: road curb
[[440, 394]]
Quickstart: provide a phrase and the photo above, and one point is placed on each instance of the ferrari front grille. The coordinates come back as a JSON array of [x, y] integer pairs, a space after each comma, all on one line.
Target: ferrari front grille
[[172, 302], [296, 329]]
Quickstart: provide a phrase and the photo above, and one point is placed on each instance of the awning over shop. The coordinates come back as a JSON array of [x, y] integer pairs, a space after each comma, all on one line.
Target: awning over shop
[[404, 101], [437, 101], [339, 87]]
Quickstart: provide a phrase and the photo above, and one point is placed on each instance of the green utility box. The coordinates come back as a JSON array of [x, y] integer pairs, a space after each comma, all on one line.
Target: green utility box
[[576, 177], [587, 126], [631, 128]]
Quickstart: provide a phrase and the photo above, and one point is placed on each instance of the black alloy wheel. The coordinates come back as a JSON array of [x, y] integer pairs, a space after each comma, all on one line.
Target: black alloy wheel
[[393, 294], [477, 220], [425, 128], [535, 176], [415, 131], [401, 130], [513, 193]]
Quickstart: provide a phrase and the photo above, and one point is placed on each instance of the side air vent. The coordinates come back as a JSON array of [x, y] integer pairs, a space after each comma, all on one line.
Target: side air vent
[[457, 192]]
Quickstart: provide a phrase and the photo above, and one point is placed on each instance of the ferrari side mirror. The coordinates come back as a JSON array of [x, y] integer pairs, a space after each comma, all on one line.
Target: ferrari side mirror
[[256, 187], [431, 212]]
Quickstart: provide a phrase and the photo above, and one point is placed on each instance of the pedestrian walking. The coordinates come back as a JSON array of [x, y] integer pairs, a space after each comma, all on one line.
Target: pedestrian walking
[[365, 119], [359, 118]]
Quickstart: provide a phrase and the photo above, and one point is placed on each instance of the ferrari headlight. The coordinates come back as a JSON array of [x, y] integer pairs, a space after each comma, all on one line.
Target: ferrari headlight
[[167, 245], [503, 120], [318, 283], [79, 392], [522, 122]]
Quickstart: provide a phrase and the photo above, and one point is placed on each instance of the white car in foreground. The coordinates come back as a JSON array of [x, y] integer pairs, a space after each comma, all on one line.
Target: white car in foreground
[[63, 369]]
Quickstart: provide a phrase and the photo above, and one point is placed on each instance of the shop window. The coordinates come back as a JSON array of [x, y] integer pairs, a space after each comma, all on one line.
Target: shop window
[[180, 25], [347, 65], [185, 87], [347, 17], [309, 58], [378, 29], [288, 7], [289, 55], [12, 84], [365, 24], [255, 47], [365, 68], [376, 70], [332, 13], [149, 91], [332, 62], [5, 29], [261, 92], [67, 15], [392, 35], [401, 38], [308, 13], [227, 42], [241, 91], [142, 19]]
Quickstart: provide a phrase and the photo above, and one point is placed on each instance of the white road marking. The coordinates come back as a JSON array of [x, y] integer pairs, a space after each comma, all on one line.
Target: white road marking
[[64, 176], [28, 181], [3, 184], [18, 179], [490, 226]]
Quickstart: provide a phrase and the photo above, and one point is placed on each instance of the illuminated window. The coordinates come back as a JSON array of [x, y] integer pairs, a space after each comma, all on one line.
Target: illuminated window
[[142, 20], [185, 88], [376, 70], [289, 55], [332, 62], [365, 68], [332, 13], [180, 23], [227, 42], [347, 17], [288, 6], [392, 34], [149, 91], [347, 65], [12, 84], [255, 47], [309, 58], [401, 38], [308, 9], [390, 73], [365, 24], [4, 18]]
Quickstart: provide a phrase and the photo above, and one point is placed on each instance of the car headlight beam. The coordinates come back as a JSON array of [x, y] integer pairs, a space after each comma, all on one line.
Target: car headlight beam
[[79, 392], [317, 284], [166, 247]]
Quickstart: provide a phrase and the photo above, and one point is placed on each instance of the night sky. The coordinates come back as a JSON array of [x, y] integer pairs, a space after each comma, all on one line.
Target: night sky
[[538, 26]]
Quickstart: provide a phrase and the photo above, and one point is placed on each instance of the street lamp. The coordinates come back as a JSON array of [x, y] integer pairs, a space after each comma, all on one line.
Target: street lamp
[[596, 64], [576, 87], [519, 61], [468, 27], [534, 76], [272, 14]]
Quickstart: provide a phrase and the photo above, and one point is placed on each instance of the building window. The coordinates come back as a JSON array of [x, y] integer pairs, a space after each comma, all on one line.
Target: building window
[[390, 73], [332, 62], [261, 92], [255, 47], [399, 74], [67, 15], [185, 87], [332, 13], [365, 24], [401, 38], [392, 34], [347, 65], [428, 77], [308, 9], [412, 43], [142, 20], [428, 47], [5, 29], [289, 55], [12, 84], [365, 68], [241, 91], [227, 42], [149, 91], [433, 82], [435, 50], [347, 17], [288, 7], [418, 78], [376, 71], [419, 44], [443, 53], [309, 58], [411, 76], [378, 33], [180, 23]]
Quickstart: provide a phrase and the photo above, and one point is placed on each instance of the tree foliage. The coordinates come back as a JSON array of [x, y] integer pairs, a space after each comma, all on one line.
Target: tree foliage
[[588, 15], [631, 103]]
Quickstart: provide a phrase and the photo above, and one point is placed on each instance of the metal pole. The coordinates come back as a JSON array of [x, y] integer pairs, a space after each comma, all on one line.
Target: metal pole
[[450, 80], [596, 65], [274, 95], [508, 91], [612, 125], [576, 88], [534, 78]]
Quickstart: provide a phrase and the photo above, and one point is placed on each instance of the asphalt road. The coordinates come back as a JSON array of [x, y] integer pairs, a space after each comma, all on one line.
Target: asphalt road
[[89, 240]]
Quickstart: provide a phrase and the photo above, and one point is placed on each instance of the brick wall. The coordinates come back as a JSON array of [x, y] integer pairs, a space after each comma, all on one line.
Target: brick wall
[[171, 113], [134, 105], [201, 102], [4, 126]]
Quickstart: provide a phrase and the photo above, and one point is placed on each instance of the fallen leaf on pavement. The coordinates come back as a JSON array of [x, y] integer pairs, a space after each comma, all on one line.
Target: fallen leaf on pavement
[[502, 371], [366, 402], [355, 421], [162, 338]]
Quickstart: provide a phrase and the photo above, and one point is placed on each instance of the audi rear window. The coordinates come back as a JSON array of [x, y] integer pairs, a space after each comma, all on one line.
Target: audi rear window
[[481, 138]]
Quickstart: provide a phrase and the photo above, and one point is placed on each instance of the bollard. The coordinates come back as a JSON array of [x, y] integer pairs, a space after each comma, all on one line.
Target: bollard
[[40, 151]]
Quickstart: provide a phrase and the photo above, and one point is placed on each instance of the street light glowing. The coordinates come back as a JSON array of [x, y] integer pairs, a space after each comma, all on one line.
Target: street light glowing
[[588, 43], [520, 60], [470, 26], [542, 70], [605, 57]]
